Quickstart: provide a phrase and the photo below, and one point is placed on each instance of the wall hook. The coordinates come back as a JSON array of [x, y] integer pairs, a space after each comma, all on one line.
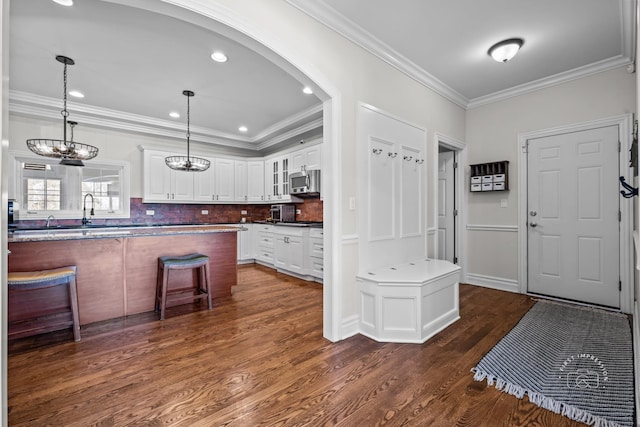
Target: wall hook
[[631, 191], [392, 155], [408, 158], [377, 150], [419, 161]]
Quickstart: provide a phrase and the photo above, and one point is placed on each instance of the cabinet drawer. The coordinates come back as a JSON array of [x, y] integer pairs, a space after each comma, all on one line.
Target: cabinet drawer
[[498, 186], [316, 232], [265, 240], [476, 187], [316, 248], [498, 178], [487, 178], [317, 268], [487, 186], [476, 180]]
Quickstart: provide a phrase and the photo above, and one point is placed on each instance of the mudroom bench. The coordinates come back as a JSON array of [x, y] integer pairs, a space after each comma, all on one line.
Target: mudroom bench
[[408, 302]]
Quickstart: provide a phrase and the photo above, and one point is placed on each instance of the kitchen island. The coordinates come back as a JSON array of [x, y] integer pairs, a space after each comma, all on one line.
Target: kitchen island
[[117, 266]]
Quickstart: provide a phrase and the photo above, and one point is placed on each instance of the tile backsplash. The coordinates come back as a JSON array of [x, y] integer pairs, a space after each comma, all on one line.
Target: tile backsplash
[[164, 213]]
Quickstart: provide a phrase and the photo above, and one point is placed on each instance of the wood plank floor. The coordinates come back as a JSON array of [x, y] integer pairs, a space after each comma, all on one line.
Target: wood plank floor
[[259, 359]]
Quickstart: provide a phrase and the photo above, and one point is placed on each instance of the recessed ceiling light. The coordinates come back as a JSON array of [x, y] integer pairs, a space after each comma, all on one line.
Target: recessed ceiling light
[[307, 90], [76, 93], [243, 129], [174, 114], [64, 2], [219, 56]]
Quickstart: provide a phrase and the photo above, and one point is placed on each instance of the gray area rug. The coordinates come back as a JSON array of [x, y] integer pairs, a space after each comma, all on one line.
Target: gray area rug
[[574, 361]]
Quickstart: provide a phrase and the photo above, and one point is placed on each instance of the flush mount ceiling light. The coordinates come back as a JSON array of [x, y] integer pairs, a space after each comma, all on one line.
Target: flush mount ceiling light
[[70, 152], [64, 2], [243, 129], [76, 94], [505, 50], [174, 115], [187, 163], [307, 90]]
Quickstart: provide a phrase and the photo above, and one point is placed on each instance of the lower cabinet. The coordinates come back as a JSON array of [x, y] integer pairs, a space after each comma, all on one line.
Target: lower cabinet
[[316, 253], [297, 251], [290, 250], [263, 243]]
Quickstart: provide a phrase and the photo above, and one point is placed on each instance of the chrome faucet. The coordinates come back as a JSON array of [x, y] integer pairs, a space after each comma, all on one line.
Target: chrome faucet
[[49, 218], [86, 221]]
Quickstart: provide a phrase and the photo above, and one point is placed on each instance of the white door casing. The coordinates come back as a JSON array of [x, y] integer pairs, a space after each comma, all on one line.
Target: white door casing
[[446, 197], [573, 216]]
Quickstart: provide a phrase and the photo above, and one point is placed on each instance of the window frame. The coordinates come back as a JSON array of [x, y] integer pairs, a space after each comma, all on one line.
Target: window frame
[[16, 192]]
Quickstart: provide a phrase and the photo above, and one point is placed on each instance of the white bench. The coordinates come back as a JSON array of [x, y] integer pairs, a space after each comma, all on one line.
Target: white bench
[[408, 302]]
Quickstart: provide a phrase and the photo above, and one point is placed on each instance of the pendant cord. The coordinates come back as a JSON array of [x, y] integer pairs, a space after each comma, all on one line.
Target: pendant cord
[[64, 111], [188, 125]]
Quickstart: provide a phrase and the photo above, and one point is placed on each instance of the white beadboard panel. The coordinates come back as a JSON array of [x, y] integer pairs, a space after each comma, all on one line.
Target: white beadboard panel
[[499, 283]]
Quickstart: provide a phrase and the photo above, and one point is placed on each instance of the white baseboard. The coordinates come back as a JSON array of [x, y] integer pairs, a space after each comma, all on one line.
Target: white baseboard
[[499, 283], [350, 326]]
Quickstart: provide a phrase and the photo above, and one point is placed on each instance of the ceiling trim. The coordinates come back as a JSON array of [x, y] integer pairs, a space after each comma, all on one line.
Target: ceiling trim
[[329, 17], [576, 73], [37, 106]]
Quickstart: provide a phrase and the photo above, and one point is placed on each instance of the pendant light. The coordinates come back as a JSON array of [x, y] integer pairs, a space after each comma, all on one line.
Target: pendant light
[[70, 152], [188, 162]]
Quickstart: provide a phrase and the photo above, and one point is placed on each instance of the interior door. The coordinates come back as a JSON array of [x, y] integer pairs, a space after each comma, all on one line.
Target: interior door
[[446, 197], [572, 215]]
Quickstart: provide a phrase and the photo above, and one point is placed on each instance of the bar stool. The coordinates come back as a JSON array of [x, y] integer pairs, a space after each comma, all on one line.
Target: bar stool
[[183, 294], [38, 303]]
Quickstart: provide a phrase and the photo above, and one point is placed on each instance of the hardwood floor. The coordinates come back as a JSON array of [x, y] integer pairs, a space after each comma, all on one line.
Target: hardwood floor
[[259, 358]]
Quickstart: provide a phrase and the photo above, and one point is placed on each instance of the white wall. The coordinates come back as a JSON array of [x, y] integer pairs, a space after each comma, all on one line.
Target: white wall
[[492, 135]]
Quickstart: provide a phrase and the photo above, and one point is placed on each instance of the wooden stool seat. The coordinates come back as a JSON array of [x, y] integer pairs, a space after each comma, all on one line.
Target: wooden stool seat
[[197, 262], [38, 303]]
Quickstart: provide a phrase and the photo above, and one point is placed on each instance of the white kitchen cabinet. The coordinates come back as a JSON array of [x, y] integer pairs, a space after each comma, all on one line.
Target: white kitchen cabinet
[[163, 184], [277, 171], [240, 181], [290, 249], [316, 253], [216, 184], [263, 243], [308, 157], [245, 244], [255, 181]]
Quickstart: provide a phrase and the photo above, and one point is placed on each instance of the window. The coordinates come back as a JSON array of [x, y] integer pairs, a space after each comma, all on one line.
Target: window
[[43, 187], [43, 194]]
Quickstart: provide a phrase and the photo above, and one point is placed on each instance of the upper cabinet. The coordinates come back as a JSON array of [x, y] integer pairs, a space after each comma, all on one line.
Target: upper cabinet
[[308, 158], [167, 185], [226, 180], [255, 181], [277, 171], [240, 181], [216, 184]]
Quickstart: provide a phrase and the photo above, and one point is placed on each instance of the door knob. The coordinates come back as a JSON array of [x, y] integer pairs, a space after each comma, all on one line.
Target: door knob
[[533, 224], [533, 213]]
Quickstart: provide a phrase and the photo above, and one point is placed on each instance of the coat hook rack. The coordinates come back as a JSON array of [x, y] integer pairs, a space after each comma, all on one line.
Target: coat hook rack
[[631, 191]]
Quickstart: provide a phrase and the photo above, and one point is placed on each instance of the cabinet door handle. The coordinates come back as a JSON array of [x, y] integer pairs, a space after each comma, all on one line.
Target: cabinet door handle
[[167, 196], [173, 196]]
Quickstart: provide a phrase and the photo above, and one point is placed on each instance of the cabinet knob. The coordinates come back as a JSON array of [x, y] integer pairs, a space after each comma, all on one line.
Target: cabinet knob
[[533, 224]]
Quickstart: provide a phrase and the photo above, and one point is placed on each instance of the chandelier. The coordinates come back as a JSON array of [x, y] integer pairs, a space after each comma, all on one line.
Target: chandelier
[[70, 153], [188, 162]]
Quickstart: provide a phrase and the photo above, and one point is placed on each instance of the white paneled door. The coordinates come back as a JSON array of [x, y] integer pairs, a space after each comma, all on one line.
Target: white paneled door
[[446, 197], [572, 216]]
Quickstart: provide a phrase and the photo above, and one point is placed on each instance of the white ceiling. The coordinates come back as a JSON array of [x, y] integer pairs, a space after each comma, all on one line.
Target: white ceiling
[[444, 44], [135, 57], [133, 64]]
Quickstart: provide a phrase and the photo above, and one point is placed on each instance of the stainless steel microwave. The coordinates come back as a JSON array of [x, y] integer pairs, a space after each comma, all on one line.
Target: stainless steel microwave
[[305, 183]]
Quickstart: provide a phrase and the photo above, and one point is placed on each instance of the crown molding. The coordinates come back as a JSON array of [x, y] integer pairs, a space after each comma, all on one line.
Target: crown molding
[[37, 106], [576, 73], [329, 17]]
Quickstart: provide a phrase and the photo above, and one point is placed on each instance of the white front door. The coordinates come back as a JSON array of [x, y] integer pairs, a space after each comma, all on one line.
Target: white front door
[[446, 197], [572, 216]]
